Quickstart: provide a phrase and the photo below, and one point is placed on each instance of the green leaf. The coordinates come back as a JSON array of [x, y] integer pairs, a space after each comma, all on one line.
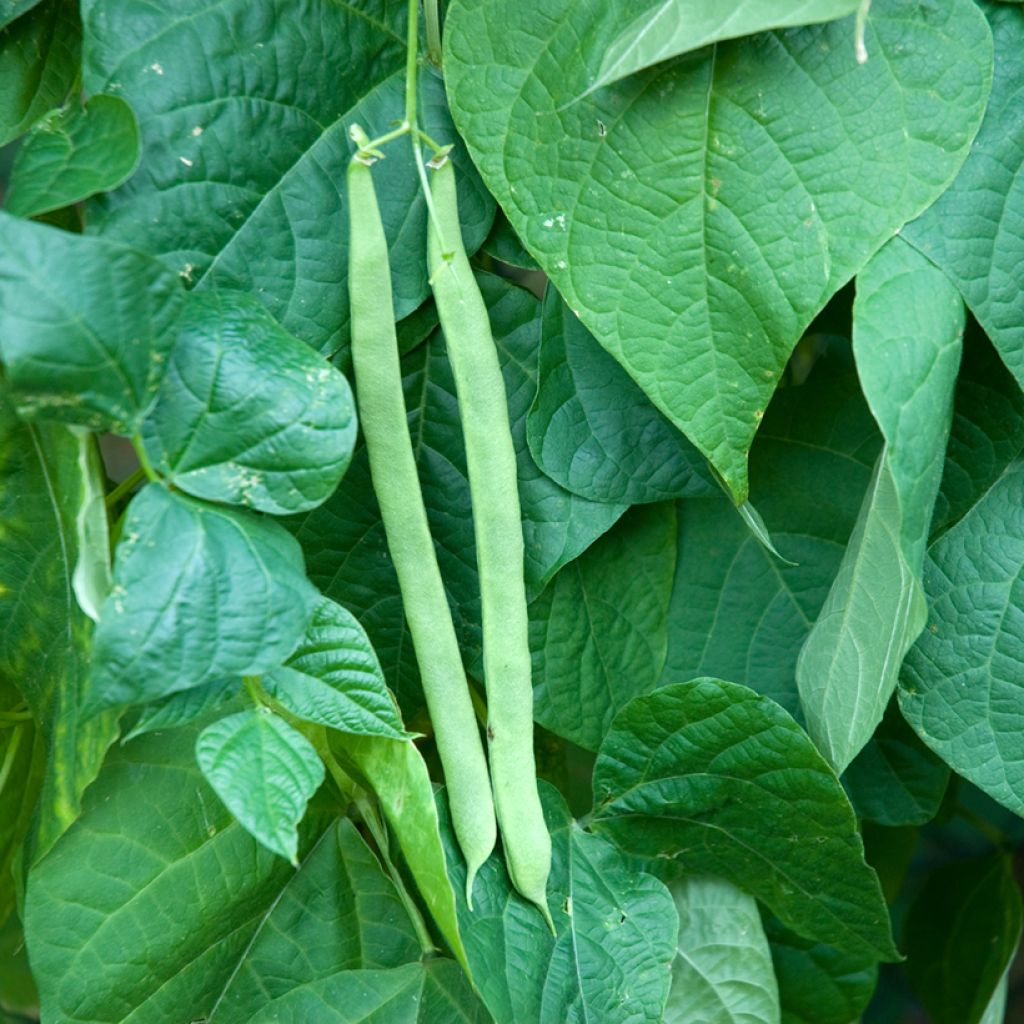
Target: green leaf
[[72, 153], [236, 580], [975, 231], [396, 773], [265, 772], [722, 973], [39, 57], [17, 989], [598, 633], [817, 983], [592, 430], [181, 708], [961, 935], [333, 678], [908, 321], [157, 902], [646, 203], [85, 326], [44, 636], [961, 684], [995, 1012], [735, 611], [435, 992], [15, 9], [668, 28], [896, 780], [987, 433], [244, 156], [725, 782], [504, 244], [344, 539], [22, 767], [339, 913], [616, 933], [248, 414]]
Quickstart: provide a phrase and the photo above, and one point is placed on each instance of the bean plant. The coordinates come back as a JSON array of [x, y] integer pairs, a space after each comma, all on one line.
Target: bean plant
[[511, 511]]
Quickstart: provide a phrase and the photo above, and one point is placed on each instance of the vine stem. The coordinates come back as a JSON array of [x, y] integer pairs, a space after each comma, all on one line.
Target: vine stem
[[125, 486], [144, 464], [433, 21], [12, 752]]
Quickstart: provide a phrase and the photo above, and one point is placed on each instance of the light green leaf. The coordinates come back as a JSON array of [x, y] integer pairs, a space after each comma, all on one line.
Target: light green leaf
[[181, 708], [85, 326], [344, 538], [736, 611], [896, 780], [961, 934], [616, 933], [598, 633], [592, 430], [396, 773], [908, 322], [39, 57], [961, 683], [668, 28], [698, 215], [724, 781], [157, 903], [975, 231], [72, 153], [995, 1012], [265, 772], [435, 992], [44, 636], [244, 157], [722, 973], [817, 983], [91, 578], [248, 414], [236, 580], [333, 678], [339, 913], [15, 9]]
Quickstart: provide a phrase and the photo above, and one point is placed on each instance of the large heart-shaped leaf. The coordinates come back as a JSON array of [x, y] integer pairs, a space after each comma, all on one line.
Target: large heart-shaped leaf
[[698, 215], [961, 683], [72, 153], [245, 110], [975, 231], [248, 414], [724, 781], [85, 325], [616, 933], [44, 635], [237, 581]]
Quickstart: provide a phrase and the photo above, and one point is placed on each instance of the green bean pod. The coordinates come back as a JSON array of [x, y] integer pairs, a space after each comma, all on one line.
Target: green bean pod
[[497, 523], [383, 417]]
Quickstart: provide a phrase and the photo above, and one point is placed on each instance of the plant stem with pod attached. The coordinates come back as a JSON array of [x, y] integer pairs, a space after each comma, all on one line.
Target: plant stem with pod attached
[[383, 414], [497, 526]]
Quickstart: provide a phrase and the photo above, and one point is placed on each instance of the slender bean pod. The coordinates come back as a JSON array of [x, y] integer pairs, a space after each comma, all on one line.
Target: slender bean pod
[[497, 523], [382, 414]]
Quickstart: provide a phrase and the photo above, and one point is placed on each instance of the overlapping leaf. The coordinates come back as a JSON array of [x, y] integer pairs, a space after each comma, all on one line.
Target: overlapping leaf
[[248, 414], [72, 153], [595, 432], [725, 782], [44, 635], [244, 113], [961, 683], [265, 772], [722, 973], [236, 580], [908, 323], [39, 56], [85, 325], [598, 633], [698, 215], [333, 678], [975, 231], [616, 931]]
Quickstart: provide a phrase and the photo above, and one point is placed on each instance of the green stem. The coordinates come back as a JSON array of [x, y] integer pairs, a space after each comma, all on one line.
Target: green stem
[[144, 464], [380, 836], [15, 717], [12, 752], [433, 20], [125, 486]]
